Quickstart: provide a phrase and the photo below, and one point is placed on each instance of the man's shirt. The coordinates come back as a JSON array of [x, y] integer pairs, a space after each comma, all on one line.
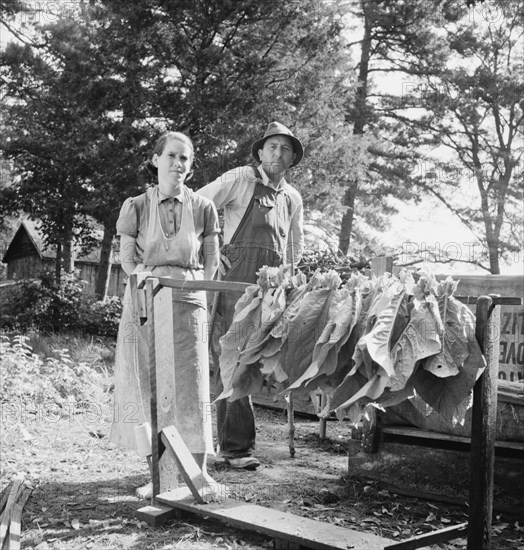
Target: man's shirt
[[232, 192]]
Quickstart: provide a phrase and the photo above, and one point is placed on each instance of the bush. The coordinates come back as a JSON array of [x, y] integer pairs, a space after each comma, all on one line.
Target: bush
[[45, 306], [27, 378], [102, 318]]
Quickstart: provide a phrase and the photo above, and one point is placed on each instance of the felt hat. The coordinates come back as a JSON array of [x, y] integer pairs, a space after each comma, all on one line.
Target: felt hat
[[277, 129]]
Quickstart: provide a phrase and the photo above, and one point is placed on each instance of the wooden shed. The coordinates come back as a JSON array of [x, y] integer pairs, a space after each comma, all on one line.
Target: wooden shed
[[27, 256]]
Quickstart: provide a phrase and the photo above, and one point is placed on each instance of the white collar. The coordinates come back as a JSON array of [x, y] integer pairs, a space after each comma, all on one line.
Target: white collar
[[179, 197], [266, 181]]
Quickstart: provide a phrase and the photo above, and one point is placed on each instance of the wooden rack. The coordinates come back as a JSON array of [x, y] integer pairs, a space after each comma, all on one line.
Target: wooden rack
[[170, 454], [164, 437]]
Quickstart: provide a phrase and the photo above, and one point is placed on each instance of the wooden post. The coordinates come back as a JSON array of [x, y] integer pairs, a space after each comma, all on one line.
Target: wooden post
[[167, 360], [291, 424], [370, 435], [483, 428], [381, 265], [155, 450], [319, 406]]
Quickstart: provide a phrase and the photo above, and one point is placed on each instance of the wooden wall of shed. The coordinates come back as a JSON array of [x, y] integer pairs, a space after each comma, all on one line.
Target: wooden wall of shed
[[29, 267], [511, 359], [117, 280], [26, 267]]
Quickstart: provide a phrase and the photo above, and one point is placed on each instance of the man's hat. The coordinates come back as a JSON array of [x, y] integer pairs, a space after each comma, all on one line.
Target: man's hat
[[277, 129]]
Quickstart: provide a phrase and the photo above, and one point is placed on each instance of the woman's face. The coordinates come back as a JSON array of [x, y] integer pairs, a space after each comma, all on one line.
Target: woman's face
[[173, 166]]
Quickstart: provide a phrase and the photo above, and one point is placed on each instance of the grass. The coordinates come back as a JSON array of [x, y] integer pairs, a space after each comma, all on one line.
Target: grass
[[84, 487], [97, 352]]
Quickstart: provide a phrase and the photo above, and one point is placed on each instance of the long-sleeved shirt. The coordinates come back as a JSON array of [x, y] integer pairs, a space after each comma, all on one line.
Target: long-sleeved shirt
[[232, 192]]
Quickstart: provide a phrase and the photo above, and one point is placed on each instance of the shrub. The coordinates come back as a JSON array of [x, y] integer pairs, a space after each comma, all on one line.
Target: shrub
[[48, 307], [102, 318], [27, 378]]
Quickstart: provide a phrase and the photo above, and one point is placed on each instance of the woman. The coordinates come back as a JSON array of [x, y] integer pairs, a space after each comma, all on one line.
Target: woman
[[167, 231]]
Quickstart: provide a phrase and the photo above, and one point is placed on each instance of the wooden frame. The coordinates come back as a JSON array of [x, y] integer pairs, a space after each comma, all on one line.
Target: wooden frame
[[478, 527]]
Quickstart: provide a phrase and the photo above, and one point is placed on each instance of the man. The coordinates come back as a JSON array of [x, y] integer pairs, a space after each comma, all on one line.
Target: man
[[263, 225]]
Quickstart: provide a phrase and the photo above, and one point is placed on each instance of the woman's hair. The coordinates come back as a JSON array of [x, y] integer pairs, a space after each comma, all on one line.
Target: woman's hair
[[161, 143]]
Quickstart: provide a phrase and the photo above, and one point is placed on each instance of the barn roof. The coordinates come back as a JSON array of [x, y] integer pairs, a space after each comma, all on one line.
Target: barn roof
[[29, 240]]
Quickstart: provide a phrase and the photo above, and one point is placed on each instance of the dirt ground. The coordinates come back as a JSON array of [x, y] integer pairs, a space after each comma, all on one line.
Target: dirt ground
[[84, 488]]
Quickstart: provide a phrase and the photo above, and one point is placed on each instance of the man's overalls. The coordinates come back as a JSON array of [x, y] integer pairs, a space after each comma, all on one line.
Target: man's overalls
[[259, 240]]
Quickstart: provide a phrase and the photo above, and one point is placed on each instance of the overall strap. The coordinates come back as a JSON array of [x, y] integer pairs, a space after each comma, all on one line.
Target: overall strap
[[247, 214]]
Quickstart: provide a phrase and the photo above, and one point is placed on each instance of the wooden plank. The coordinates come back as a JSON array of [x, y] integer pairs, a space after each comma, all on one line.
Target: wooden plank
[[434, 537], [14, 493], [304, 532], [156, 514], [500, 301], [4, 495], [15, 529], [202, 488], [209, 286], [165, 382], [484, 285], [439, 436], [483, 428]]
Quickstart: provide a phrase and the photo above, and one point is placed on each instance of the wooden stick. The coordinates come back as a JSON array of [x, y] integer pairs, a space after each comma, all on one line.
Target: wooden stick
[[483, 428], [434, 537], [14, 493], [289, 400], [202, 488], [15, 529], [291, 424], [4, 495], [323, 421]]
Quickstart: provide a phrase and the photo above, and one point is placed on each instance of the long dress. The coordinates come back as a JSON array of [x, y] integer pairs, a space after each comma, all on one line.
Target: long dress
[[175, 257]]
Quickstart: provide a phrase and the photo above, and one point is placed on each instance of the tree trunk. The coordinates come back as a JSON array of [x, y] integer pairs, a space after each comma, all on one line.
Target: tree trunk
[[347, 219], [491, 226], [68, 256], [58, 264], [493, 252], [103, 274], [359, 122]]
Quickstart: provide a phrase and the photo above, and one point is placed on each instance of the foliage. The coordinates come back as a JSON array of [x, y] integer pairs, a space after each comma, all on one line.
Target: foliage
[[463, 102], [370, 341], [30, 379], [315, 259], [85, 105], [50, 307], [102, 317]]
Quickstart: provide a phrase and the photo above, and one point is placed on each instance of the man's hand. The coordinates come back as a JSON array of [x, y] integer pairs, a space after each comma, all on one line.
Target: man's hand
[[224, 265]]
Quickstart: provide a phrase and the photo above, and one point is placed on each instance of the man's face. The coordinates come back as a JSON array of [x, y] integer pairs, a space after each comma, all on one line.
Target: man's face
[[277, 155]]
